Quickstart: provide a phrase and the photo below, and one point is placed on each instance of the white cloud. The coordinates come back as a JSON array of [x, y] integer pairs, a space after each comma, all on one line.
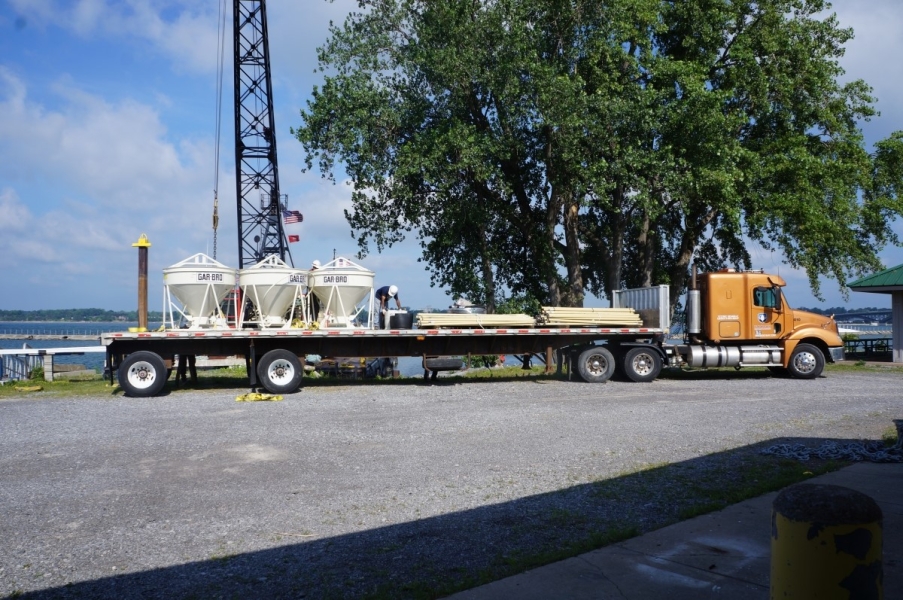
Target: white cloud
[[84, 180], [14, 217], [117, 155], [189, 38]]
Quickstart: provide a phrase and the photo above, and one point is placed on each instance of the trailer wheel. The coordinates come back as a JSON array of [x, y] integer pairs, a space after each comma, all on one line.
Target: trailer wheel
[[280, 372], [142, 374], [642, 364], [596, 364], [806, 362]]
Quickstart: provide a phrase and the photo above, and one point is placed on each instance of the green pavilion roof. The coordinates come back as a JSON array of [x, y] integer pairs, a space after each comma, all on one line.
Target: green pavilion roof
[[888, 280]]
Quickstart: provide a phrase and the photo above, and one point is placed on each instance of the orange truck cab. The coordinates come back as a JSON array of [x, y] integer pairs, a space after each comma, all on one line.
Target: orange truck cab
[[740, 318]]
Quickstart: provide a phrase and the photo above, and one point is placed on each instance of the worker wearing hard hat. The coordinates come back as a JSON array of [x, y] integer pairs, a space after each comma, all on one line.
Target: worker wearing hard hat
[[382, 296]]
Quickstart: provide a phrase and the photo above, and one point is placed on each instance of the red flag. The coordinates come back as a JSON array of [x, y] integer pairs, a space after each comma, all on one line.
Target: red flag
[[294, 238]]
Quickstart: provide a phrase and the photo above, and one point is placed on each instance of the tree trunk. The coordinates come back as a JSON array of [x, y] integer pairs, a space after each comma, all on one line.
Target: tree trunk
[[574, 295], [488, 276], [615, 250], [647, 251]]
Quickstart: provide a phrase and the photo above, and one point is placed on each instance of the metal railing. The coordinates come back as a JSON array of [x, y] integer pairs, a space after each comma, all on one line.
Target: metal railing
[[868, 347], [19, 367], [58, 332]]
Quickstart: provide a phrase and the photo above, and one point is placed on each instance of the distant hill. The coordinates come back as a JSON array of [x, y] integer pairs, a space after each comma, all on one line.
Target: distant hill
[[76, 314]]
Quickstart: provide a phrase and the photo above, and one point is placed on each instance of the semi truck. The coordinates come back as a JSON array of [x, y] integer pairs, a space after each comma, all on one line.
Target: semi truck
[[733, 319]]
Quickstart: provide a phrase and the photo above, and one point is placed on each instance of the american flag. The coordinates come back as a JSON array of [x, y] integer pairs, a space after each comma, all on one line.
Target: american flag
[[291, 216]]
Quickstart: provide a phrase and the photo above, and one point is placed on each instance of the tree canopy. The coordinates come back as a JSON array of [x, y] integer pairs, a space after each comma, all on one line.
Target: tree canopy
[[543, 148]]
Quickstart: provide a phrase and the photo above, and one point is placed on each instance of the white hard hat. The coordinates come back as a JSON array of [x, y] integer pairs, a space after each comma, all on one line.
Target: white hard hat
[[315, 264], [393, 289]]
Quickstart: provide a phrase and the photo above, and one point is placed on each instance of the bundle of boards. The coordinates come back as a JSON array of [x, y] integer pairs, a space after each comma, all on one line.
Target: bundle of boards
[[551, 316], [563, 316], [468, 320]]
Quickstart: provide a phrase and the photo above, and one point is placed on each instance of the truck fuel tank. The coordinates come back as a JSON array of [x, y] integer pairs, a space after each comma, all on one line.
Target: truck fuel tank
[[729, 356]]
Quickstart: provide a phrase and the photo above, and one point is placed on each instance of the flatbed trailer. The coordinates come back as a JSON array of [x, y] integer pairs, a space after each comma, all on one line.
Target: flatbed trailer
[[275, 356], [734, 319]]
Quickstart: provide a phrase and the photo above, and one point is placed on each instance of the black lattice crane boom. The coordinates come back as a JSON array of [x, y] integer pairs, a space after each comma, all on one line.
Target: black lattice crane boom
[[260, 204]]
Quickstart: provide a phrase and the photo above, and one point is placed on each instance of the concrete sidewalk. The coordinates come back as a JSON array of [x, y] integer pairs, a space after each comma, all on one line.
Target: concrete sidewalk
[[725, 554]]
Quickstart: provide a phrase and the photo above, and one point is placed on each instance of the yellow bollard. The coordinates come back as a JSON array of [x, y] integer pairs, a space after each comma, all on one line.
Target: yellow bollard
[[825, 544]]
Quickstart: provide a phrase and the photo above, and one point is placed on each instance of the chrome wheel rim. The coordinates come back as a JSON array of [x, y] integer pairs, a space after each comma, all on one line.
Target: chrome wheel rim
[[596, 364], [142, 375], [642, 364], [280, 371], [804, 362]]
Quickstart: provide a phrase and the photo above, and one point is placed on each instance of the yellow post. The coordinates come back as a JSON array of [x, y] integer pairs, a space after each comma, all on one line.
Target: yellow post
[[825, 544], [142, 244]]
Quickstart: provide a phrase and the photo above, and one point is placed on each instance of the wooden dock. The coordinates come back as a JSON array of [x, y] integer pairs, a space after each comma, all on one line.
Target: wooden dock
[[50, 336]]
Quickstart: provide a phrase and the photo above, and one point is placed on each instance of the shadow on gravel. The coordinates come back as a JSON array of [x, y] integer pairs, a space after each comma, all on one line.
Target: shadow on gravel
[[239, 384], [435, 556]]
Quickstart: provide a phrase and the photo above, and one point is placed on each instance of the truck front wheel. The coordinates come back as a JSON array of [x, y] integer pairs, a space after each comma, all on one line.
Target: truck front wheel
[[642, 364], [806, 362], [142, 374], [280, 372], [596, 364]]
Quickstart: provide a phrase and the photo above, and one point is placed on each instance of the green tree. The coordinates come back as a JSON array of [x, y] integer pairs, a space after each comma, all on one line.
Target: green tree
[[548, 147]]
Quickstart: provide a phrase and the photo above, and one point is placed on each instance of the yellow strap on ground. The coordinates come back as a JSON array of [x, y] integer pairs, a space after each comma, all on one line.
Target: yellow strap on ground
[[28, 388], [256, 397]]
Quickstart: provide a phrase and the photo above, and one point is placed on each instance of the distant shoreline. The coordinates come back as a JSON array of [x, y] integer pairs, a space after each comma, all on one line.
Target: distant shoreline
[[68, 321]]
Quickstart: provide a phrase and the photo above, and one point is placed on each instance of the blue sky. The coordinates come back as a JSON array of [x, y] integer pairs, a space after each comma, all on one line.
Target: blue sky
[[107, 121]]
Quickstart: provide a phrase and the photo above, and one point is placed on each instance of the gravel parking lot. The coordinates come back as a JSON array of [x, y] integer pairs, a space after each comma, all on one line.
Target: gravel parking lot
[[380, 489]]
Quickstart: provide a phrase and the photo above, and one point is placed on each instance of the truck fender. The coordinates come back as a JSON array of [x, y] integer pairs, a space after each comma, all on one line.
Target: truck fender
[[621, 348], [790, 346]]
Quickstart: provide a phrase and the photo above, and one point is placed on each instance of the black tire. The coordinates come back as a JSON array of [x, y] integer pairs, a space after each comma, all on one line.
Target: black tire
[[280, 372], [142, 374], [806, 362], [642, 364], [596, 364]]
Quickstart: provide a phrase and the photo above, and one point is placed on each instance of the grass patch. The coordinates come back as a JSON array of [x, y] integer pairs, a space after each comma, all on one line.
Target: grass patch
[[859, 366], [62, 387], [890, 437]]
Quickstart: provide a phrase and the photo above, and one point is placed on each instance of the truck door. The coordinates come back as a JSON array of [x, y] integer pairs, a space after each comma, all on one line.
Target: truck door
[[767, 312]]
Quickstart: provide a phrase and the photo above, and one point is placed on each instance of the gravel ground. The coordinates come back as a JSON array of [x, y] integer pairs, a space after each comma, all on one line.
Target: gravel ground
[[359, 490]]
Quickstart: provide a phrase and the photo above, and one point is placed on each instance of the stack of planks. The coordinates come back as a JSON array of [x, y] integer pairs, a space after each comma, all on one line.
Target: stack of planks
[[562, 316], [474, 320]]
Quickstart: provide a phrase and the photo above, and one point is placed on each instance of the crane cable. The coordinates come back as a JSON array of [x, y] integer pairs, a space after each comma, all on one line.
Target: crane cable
[[221, 48]]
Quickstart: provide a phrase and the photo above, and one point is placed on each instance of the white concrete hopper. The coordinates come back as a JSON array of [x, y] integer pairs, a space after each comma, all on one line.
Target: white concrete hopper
[[199, 283], [344, 290], [273, 287]]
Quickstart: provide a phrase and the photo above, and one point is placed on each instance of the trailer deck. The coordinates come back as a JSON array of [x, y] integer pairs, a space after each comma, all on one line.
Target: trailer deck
[[368, 343]]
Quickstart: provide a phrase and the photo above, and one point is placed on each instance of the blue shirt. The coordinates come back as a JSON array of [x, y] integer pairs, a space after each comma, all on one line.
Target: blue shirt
[[383, 294]]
